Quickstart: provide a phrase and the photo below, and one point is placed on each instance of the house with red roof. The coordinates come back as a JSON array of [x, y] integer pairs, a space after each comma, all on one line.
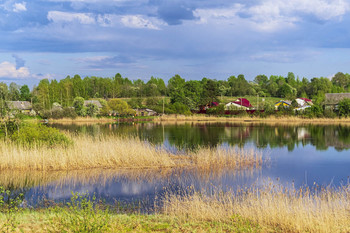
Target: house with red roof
[[240, 103]]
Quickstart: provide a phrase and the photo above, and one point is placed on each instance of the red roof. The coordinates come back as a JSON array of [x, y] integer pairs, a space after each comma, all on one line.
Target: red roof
[[214, 103], [243, 102], [305, 99]]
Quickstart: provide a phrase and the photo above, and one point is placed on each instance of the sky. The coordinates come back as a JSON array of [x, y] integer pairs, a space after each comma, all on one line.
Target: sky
[[193, 38]]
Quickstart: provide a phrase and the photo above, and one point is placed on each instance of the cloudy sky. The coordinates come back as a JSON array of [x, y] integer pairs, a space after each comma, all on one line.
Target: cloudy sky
[[192, 38]]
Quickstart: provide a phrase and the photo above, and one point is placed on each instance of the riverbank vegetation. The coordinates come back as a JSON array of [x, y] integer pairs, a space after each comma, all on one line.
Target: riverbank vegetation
[[269, 208], [38, 147], [274, 208]]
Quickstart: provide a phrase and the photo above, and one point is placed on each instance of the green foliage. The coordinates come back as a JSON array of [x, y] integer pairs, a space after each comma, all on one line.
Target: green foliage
[[217, 110], [91, 110], [30, 134], [179, 108], [135, 103], [9, 206], [344, 107], [120, 107], [152, 101], [269, 109], [313, 111], [81, 215], [78, 105]]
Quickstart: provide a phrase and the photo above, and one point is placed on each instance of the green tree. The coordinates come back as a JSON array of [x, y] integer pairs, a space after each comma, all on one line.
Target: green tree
[[176, 89], [78, 105], [120, 107]]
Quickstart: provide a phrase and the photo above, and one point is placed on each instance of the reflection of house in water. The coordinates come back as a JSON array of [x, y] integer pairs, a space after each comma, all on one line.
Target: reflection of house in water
[[303, 133], [338, 138]]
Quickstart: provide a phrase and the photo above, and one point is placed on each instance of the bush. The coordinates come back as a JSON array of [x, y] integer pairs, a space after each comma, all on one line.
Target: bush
[[30, 134], [344, 107], [217, 110], [179, 108]]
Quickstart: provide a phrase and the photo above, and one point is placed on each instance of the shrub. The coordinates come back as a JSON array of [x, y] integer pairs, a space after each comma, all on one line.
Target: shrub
[[344, 107], [28, 134], [179, 108], [69, 112], [217, 110]]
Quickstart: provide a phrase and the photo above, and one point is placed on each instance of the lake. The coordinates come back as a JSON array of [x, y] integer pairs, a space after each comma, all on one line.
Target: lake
[[299, 155]]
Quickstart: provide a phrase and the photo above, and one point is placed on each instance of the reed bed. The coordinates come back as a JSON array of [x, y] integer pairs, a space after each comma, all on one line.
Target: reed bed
[[273, 208], [111, 152], [269, 119]]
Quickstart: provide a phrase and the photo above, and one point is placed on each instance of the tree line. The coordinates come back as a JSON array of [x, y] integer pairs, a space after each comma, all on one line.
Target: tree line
[[190, 94]]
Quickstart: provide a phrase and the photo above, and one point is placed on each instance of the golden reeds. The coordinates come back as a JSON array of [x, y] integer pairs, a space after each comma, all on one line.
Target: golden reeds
[[269, 119], [111, 152], [274, 208]]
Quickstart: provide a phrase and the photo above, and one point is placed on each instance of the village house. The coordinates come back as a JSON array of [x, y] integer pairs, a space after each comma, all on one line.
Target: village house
[[145, 112], [283, 103], [332, 100], [24, 107], [240, 103]]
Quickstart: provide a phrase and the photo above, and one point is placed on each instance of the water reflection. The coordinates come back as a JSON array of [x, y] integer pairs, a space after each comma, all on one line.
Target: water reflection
[[125, 186], [193, 135]]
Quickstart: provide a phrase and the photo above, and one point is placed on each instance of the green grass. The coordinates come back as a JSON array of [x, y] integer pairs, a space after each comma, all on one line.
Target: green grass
[[46, 220]]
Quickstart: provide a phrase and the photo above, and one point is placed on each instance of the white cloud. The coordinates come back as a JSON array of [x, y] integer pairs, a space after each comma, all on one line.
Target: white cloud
[[206, 15], [8, 70], [18, 7], [138, 21], [59, 16], [272, 15]]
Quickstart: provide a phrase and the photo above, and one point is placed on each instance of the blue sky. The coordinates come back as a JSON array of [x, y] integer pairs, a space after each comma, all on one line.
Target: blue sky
[[161, 38]]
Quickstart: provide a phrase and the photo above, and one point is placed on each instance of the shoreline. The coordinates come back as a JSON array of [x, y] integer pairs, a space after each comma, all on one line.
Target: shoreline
[[205, 119]]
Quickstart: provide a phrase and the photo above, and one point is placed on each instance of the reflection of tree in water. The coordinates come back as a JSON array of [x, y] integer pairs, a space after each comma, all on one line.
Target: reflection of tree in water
[[195, 135]]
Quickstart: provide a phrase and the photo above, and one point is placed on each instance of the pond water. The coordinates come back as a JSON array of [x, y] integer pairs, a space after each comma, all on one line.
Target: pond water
[[302, 155]]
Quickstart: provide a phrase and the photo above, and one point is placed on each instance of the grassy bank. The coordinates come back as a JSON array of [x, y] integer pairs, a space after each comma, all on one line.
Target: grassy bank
[[267, 209], [117, 152], [51, 221]]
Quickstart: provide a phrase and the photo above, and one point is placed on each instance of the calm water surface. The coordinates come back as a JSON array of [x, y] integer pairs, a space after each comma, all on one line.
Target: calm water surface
[[302, 155]]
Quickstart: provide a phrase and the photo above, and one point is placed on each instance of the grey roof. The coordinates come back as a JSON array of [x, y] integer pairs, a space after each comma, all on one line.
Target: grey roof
[[335, 98], [96, 102], [19, 105]]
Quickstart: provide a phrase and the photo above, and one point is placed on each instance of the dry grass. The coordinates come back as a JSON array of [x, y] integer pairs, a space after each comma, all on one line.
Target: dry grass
[[252, 119], [83, 119], [110, 152], [274, 208], [209, 158]]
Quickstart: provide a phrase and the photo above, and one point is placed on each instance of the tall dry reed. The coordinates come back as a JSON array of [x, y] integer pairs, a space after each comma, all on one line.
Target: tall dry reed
[[269, 119], [116, 152], [274, 208]]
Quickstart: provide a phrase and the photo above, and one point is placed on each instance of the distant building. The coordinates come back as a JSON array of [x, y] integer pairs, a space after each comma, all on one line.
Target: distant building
[[240, 103], [332, 99], [20, 106], [96, 102], [145, 112], [284, 103]]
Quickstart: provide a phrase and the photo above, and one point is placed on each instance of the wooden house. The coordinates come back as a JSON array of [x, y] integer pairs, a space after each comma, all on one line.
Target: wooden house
[[332, 99]]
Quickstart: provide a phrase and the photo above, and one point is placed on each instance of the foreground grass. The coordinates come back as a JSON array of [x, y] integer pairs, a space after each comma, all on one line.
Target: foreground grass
[[267, 209], [273, 208], [49, 221], [117, 152]]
